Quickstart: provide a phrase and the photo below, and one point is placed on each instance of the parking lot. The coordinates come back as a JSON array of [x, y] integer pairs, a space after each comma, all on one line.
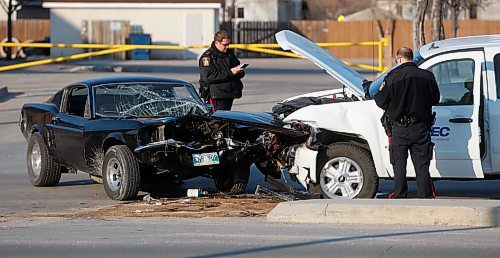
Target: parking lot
[[267, 82]]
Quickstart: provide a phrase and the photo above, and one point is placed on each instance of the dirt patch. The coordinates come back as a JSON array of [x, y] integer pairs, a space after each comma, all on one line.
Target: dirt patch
[[214, 206], [211, 206]]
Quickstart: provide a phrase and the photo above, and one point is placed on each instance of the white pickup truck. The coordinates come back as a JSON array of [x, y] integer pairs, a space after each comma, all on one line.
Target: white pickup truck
[[348, 151]]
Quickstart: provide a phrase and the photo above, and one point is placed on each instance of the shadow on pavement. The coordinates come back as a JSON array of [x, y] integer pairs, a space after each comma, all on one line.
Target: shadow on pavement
[[78, 182], [247, 251], [10, 96]]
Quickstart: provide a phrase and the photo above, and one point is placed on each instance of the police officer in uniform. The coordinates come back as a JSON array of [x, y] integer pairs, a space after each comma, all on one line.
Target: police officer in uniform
[[407, 96], [220, 73]]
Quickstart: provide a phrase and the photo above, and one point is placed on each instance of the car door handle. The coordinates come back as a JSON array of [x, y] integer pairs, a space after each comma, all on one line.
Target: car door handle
[[56, 119], [461, 120]]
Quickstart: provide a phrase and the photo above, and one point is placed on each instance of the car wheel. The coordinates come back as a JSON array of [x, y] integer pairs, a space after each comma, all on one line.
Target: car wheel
[[346, 170], [232, 179], [43, 170], [121, 173]]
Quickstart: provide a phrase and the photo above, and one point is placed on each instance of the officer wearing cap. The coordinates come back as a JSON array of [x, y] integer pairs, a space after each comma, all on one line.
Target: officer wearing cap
[[407, 96], [220, 73]]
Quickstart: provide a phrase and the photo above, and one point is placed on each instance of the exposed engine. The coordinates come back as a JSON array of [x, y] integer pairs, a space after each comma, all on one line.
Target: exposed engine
[[270, 148]]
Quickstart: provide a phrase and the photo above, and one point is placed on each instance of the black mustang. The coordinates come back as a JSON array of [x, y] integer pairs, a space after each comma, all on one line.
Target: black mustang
[[128, 130]]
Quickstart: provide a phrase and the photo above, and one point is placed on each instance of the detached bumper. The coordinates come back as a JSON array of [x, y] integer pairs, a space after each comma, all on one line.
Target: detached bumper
[[304, 165]]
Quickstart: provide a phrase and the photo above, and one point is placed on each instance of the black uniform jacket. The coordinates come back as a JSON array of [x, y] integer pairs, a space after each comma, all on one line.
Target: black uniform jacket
[[215, 74], [408, 91]]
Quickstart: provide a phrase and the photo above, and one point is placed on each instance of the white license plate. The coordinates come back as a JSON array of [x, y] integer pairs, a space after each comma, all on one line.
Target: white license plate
[[205, 159]]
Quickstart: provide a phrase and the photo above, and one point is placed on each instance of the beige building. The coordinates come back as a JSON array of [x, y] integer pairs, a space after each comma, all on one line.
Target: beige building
[[266, 10], [169, 22]]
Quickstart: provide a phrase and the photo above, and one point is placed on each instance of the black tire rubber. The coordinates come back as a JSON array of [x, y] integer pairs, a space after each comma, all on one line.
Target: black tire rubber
[[50, 172], [232, 179], [357, 154], [131, 176]]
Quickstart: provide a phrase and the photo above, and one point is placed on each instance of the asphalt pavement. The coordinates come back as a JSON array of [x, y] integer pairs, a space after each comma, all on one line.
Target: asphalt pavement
[[237, 237]]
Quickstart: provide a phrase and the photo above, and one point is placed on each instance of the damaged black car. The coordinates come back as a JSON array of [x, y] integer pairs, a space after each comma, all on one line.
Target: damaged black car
[[127, 131]]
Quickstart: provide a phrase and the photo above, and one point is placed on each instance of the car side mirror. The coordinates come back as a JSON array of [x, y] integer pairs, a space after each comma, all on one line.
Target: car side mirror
[[210, 107]]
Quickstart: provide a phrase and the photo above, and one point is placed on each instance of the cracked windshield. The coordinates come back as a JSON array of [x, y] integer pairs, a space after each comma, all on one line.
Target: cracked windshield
[[146, 100]]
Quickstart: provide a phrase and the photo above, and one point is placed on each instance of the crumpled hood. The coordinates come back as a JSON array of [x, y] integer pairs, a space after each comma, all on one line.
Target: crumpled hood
[[260, 118]]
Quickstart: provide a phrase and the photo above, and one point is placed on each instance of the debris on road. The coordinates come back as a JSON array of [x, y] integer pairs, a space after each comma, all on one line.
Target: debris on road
[[196, 192], [246, 205], [148, 198], [262, 191]]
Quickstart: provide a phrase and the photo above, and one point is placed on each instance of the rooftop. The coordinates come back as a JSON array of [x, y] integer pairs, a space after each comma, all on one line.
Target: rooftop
[[452, 44]]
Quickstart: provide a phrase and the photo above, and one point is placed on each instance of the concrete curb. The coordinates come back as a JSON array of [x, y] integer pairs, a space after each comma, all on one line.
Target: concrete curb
[[3, 91], [453, 212]]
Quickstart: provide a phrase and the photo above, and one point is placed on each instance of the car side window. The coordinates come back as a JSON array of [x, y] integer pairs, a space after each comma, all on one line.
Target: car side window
[[455, 79], [77, 102]]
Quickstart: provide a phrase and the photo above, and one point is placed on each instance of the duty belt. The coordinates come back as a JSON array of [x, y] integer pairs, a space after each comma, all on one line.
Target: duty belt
[[406, 120]]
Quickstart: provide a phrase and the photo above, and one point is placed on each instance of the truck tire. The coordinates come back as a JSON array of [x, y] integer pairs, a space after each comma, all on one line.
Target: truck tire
[[345, 170], [43, 170], [232, 179], [121, 173]]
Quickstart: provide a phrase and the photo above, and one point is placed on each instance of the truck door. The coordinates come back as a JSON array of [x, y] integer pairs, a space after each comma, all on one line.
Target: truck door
[[492, 114], [456, 132]]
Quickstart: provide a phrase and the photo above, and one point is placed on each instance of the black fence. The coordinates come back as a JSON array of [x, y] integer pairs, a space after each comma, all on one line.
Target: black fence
[[255, 33]]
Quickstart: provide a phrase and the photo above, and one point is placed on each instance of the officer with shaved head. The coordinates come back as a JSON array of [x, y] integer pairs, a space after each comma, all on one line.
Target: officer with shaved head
[[407, 96]]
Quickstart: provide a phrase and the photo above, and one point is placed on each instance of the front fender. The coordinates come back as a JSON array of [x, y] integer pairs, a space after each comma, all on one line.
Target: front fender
[[359, 118], [116, 138]]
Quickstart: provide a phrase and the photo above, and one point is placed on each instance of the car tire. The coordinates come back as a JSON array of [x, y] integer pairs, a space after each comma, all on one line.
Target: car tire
[[43, 170], [121, 173], [357, 178], [232, 179]]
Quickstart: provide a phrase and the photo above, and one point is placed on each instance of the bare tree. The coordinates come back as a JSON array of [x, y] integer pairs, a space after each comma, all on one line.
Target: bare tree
[[10, 8], [457, 6], [437, 29], [418, 24]]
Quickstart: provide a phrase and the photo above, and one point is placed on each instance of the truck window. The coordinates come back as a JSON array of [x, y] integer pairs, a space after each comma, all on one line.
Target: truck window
[[496, 60], [455, 79]]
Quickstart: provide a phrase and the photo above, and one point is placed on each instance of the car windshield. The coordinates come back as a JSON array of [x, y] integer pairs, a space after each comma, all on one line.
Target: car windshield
[[146, 100]]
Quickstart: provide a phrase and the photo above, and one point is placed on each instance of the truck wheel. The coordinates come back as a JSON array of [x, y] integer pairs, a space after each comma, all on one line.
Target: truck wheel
[[43, 170], [121, 173], [232, 179], [346, 171]]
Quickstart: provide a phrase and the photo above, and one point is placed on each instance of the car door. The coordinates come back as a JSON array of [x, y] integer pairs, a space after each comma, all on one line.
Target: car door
[[456, 132], [67, 126]]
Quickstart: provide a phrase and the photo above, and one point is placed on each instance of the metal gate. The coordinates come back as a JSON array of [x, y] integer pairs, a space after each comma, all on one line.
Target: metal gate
[[255, 32]]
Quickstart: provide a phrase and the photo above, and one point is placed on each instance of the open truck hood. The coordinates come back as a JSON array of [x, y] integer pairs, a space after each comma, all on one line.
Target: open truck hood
[[289, 40]]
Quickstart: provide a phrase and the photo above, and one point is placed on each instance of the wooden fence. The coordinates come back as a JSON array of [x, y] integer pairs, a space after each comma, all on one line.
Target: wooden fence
[[399, 32], [24, 30]]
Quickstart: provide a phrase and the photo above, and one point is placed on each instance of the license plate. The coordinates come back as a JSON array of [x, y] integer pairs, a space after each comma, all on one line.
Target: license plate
[[205, 159]]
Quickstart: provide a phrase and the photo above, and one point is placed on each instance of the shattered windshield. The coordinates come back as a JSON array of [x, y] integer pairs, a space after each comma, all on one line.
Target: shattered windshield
[[146, 100]]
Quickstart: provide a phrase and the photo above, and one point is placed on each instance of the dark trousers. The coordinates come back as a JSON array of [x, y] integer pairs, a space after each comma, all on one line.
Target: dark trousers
[[416, 139], [223, 104]]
